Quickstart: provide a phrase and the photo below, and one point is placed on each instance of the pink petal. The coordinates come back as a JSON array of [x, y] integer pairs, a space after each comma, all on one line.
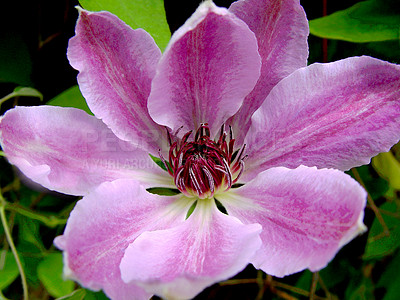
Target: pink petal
[[209, 66], [335, 115], [67, 150], [103, 224], [281, 28], [116, 65], [180, 262], [307, 215]]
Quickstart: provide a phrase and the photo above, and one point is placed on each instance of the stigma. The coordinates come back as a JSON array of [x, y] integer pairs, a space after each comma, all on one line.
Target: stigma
[[203, 167]]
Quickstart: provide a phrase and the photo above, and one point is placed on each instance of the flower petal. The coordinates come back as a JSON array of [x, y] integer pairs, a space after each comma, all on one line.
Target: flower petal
[[307, 215], [104, 223], [209, 66], [335, 115], [116, 65], [67, 150], [180, 262], [281, 28]]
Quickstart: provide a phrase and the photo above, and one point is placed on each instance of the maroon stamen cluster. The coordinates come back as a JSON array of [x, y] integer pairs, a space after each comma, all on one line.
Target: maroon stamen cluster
[[203, 166]]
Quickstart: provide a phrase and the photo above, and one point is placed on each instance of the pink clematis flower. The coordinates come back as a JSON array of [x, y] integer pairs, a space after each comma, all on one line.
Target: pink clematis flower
[[234, 115]]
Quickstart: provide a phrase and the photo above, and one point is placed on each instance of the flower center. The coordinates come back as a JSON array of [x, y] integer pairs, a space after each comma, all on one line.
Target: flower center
[[203, 167]]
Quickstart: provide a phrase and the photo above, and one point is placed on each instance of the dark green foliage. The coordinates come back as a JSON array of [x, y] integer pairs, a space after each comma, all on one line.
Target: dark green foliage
[[367, 268]]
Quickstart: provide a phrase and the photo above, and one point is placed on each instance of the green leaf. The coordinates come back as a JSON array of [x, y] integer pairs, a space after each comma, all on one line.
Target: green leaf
[[367, 21], [396, 151], [29, 234], [75, 295], [27, 92], [163, 191], [160, 163], [390, 279], [220, 206], [360, 289], [71, 98], [50, 272], [337, 271], [149, 15], [90, 295], [8, 269], [375, 185], [191, 210], [304, 280], [379, 244], [27, 197], [22, 91], [30, 247], [388, 167]]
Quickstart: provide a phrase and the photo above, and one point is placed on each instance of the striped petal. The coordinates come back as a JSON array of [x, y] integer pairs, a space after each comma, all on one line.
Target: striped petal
[[116, 65], [335, 115], [306, 214], [209, 67]]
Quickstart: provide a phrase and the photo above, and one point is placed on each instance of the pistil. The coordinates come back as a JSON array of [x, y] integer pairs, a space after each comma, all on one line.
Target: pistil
[[203, 167]]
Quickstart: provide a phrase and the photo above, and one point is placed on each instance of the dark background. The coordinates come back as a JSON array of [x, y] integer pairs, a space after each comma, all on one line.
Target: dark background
[[33, 41], [38, 31]]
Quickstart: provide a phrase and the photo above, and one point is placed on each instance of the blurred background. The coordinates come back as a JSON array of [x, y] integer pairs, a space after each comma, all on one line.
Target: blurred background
[[33, 41]]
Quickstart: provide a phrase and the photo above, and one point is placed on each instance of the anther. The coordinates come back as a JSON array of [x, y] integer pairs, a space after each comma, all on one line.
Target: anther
[[203, 167]]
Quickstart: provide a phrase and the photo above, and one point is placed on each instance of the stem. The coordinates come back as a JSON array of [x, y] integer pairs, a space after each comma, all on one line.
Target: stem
[[273, 285], [13, 186], [293, 289], [261, 285], [9, 96], [238, 281], [313, 286], [389, 213], [323, 286], [372, 203], [50, 221], [1, 152], [12, 246], [269, 281]]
